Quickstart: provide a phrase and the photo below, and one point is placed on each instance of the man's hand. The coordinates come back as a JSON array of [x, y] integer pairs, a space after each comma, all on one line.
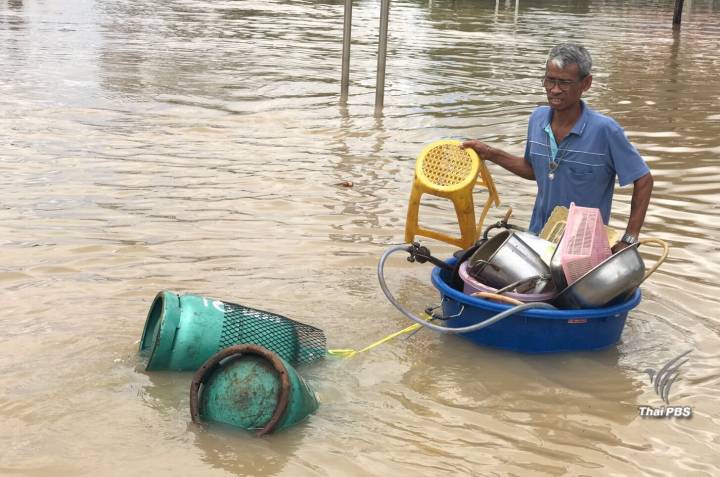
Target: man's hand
[[484, 151]]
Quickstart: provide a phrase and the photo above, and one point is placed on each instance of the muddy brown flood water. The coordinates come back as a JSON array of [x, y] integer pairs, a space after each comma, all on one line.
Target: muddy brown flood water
[[197, 146]]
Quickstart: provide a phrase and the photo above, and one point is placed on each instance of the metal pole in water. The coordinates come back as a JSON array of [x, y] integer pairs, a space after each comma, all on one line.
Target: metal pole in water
[[382, 50], [677, 14], [345, 76]]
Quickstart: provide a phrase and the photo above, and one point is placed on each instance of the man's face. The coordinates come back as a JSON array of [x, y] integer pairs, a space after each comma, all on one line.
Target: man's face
[[565, 86]]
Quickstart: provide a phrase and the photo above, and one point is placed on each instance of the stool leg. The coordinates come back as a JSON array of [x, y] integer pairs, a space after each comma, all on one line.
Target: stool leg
[[483, 214], [465, 211], [411, 223]]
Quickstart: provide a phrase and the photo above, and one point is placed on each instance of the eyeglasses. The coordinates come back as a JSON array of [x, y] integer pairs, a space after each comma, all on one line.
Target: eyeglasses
[[564, 85]]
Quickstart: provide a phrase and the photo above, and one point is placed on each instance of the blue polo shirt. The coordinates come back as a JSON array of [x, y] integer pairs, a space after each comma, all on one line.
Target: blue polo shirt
[[589, 158]]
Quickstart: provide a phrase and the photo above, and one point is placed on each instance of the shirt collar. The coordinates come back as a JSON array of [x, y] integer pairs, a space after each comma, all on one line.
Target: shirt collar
[[580, 124]]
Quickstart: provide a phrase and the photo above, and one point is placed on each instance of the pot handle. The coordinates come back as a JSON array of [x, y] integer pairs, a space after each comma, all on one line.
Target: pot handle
[[666, 250], [507, 215], [496, 297], [502, 224]]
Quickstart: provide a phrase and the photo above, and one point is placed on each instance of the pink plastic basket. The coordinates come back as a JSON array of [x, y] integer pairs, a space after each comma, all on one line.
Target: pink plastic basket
[[584, 244]]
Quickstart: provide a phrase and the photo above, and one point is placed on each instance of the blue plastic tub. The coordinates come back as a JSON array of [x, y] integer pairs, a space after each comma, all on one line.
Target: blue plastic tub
[[533, 331]]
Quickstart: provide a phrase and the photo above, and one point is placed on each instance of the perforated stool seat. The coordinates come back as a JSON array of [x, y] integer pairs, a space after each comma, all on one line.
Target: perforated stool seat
[[444, 169]]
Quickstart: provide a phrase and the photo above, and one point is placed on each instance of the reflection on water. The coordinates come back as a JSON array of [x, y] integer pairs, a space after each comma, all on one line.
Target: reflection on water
[[198, 146]]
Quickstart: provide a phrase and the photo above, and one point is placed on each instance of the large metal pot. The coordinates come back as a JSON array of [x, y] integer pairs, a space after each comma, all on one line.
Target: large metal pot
[[505, 259], [542, 247], [472, 286], [613, 279]]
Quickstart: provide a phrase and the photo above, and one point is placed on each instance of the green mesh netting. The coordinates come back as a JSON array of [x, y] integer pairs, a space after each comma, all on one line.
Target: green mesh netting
[[295, 342]]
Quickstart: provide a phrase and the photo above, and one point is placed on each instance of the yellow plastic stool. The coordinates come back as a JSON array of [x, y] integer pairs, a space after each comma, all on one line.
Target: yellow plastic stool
[[445, 169]]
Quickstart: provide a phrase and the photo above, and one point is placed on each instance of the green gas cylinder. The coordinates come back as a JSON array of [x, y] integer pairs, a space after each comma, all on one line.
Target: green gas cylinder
[[182, 331], [250, 387]]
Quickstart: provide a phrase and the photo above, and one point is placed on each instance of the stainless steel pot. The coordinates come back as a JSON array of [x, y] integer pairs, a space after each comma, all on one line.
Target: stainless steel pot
[[542, 247], [613, 279], [505, 259]]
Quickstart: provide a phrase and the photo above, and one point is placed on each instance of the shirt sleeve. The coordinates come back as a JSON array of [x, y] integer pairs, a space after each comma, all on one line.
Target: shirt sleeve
[[628, 163], [527, 150]]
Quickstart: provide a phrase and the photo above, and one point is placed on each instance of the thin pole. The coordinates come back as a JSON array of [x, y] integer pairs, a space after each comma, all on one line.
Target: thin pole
[[345, 75], [382, 51], [677, 14]]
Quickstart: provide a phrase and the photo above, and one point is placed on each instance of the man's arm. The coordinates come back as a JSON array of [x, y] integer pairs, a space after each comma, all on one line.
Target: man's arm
[[642, 190], [515, 164]]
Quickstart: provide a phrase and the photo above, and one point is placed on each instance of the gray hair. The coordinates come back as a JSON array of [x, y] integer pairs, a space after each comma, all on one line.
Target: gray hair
[[570, 53]]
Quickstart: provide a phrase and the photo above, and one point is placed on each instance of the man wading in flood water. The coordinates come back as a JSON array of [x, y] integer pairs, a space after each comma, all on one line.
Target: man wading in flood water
[[573, 152]]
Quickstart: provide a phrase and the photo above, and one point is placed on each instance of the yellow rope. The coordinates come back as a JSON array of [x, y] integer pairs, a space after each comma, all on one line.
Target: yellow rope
[[349, 353]]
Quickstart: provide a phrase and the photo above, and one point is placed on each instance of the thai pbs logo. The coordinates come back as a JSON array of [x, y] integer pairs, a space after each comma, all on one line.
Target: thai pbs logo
[[662, 382]]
